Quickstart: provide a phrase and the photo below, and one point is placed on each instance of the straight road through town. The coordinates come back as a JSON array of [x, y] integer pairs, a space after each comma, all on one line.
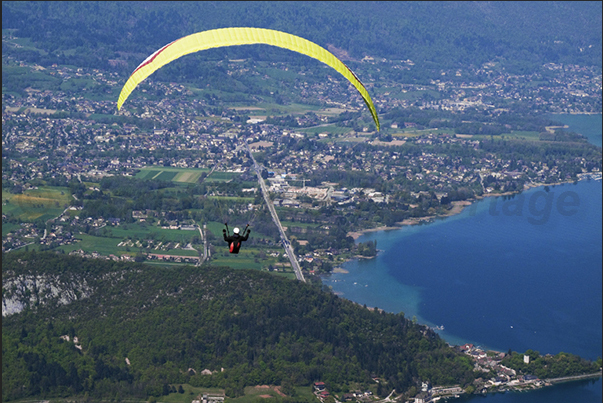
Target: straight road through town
[[284, 240]]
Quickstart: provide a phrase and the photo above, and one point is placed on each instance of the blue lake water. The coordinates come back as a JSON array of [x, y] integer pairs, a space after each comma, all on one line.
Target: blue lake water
[[588, 125], [517, 273]]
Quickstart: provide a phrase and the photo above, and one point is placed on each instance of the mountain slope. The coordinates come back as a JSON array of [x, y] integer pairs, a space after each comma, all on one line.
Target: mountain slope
[[447, 34], [171, 324]]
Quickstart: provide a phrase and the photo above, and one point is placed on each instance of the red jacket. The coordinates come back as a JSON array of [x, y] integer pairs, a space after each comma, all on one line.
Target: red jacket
[[234, 241]]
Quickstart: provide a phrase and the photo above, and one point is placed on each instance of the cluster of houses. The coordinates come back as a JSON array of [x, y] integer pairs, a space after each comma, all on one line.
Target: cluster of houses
[[96, 255], [173, 258], [321, 392], [20, 237], [505, 378], [208, 398]]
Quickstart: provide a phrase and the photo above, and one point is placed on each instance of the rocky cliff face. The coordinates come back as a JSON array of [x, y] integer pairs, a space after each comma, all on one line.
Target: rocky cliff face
[[30, 291]]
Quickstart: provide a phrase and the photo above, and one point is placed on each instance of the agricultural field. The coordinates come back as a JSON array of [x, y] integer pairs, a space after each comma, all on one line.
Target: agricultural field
[[524, 135], [43, 203], [245, 259], [146, 231], [183, 175], [516, 135], [217, 176], [179, 175]]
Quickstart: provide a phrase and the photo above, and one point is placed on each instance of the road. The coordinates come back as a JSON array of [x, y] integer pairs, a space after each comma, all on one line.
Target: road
[[204, 240], [286, 244], [573, 378]]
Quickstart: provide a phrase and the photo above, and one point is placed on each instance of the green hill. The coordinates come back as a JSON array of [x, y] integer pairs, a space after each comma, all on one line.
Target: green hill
[[142, 329], [442, 34]]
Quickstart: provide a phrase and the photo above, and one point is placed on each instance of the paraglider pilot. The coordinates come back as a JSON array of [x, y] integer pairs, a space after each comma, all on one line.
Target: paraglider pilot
[[234, 241]]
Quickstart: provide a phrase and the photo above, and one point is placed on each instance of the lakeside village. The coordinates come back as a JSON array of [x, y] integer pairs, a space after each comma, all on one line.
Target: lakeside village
[[496, 378]]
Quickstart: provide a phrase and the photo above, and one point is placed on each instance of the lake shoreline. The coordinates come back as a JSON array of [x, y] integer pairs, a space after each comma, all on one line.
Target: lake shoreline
[[554, 391], [457, 208]]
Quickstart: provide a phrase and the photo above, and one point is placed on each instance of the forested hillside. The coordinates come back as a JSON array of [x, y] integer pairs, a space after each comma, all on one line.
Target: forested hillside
[[140, 329], [442, 34]]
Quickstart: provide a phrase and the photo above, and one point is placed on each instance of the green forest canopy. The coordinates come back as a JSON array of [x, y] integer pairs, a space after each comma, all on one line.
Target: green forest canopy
[[259, 328], [432, 34]]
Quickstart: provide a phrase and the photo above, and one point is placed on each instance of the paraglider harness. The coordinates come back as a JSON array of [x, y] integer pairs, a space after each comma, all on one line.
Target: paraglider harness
[[234, 241]]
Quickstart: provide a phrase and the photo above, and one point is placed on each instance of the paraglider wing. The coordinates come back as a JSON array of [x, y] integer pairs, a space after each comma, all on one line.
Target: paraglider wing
[[240, 36]]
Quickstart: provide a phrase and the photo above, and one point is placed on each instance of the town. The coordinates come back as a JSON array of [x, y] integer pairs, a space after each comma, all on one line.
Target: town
[[312, 158]]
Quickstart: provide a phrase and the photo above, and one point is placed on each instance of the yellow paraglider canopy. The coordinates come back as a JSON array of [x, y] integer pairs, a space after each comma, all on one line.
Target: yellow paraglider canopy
[[240, 36]]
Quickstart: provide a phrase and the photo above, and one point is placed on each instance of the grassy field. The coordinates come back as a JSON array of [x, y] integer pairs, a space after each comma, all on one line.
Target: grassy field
[[104, 246], [106, 239], [216, 228], [244, 260], [217, 176], [247, 258], [183, 175], [524, 135], [43, 203], [180, 175], [8, 227], [145, 231], [48, 202]]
